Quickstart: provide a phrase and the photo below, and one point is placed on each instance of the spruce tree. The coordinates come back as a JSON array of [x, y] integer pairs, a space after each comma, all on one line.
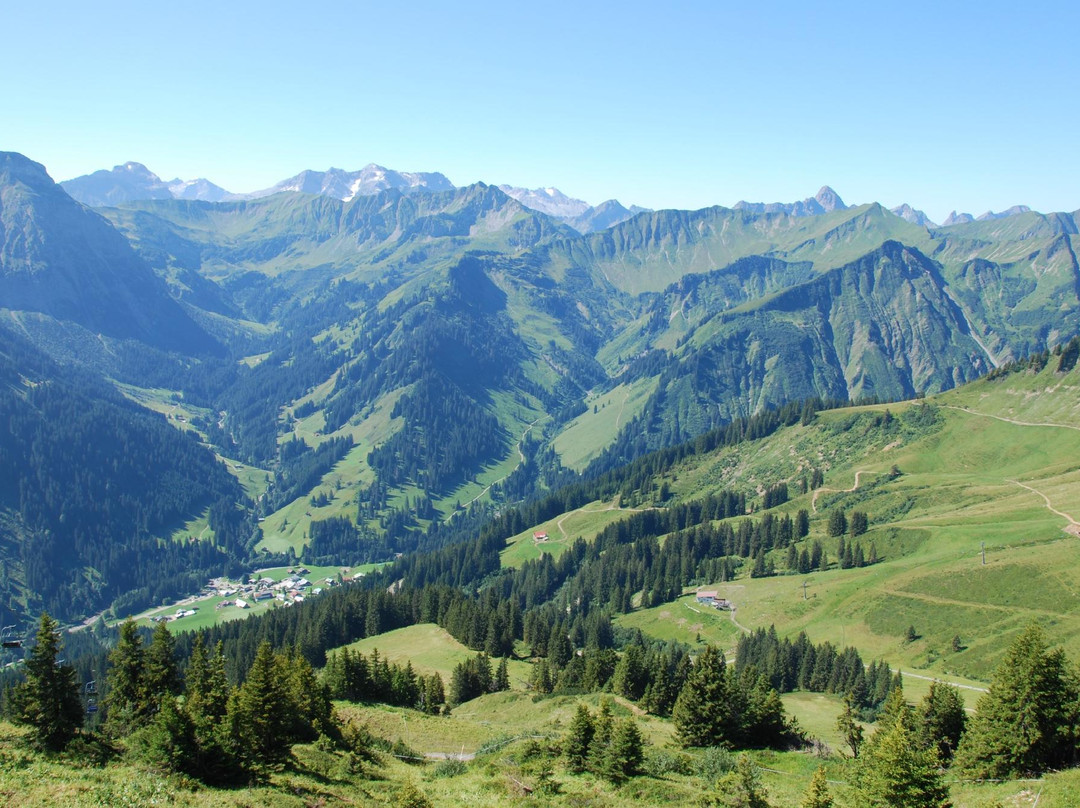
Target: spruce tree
[[850, 729], [206, 701], [837, 524], [817, 795], [1026, 723], [631, 675], [894, 770], [804, 561], [742, 787], [502, 677], [434, 694], [259, 713], [802, 523], [197, 673], [701, 712], [125, 698], [168, 741], [941, 719], [603, 727], [559, 649], [578, 739], [626, 752], [308, 702], [161, 675], [48, 700], [541, 678]]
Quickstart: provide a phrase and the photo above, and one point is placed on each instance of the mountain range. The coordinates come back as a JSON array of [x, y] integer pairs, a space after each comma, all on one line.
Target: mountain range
[[387, 354], [132, 182]]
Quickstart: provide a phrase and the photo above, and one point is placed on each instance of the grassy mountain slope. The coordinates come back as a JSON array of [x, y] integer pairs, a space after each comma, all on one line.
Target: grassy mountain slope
[[967, 476]]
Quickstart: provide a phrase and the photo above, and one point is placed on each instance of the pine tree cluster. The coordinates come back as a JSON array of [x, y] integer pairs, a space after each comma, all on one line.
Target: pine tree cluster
[[801, 665], [600, 744]]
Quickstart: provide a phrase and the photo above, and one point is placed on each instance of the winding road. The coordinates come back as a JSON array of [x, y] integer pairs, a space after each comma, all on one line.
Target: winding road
[[818, 491], [1073, 527], [521, 459], [1008, 420]]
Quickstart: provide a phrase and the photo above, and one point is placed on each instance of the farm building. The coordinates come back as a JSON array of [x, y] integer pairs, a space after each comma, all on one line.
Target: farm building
[[713, 599]]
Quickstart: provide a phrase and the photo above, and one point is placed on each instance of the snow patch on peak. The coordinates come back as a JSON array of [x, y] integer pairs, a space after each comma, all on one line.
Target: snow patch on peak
[[551, 201]]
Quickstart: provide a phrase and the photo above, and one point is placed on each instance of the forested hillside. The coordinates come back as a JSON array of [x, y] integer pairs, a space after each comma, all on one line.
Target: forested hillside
[[824, 550], [100, 480], [399, 360]]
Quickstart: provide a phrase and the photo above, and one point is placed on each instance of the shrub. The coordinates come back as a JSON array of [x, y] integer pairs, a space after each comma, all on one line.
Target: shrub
[[450, 767]]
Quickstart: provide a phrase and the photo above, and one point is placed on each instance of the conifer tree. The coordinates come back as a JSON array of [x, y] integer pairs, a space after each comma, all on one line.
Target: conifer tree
[[837, 524], [850, 729], [197, 673], [603, 727], [434, 694], [308, 702], [206, 701], [502, 677], [125, 699], [817, 795], [941, 719], [895, 770], [48, 700], [541, 678], [701, 710], [802, 523], [168, 741], [258, 714], [161, 675], [559, 648], [742, 787], [578, 739], [804, 561], [631, 675], [625, 753], [1027, 721]]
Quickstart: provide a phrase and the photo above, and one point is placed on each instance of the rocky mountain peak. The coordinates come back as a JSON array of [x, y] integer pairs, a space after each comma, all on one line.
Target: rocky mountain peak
[[910, 214], [958, 218], [1013, 211], [829, 199]]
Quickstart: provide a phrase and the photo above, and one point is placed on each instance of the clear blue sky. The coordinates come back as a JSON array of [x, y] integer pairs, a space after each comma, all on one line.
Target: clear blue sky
[[943, 105]]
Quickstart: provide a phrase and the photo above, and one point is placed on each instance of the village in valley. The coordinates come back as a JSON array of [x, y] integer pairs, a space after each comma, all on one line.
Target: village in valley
[[262, 589]]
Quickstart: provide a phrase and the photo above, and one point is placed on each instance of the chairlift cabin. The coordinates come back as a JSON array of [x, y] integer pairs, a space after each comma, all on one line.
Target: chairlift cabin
[[9, 638]]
